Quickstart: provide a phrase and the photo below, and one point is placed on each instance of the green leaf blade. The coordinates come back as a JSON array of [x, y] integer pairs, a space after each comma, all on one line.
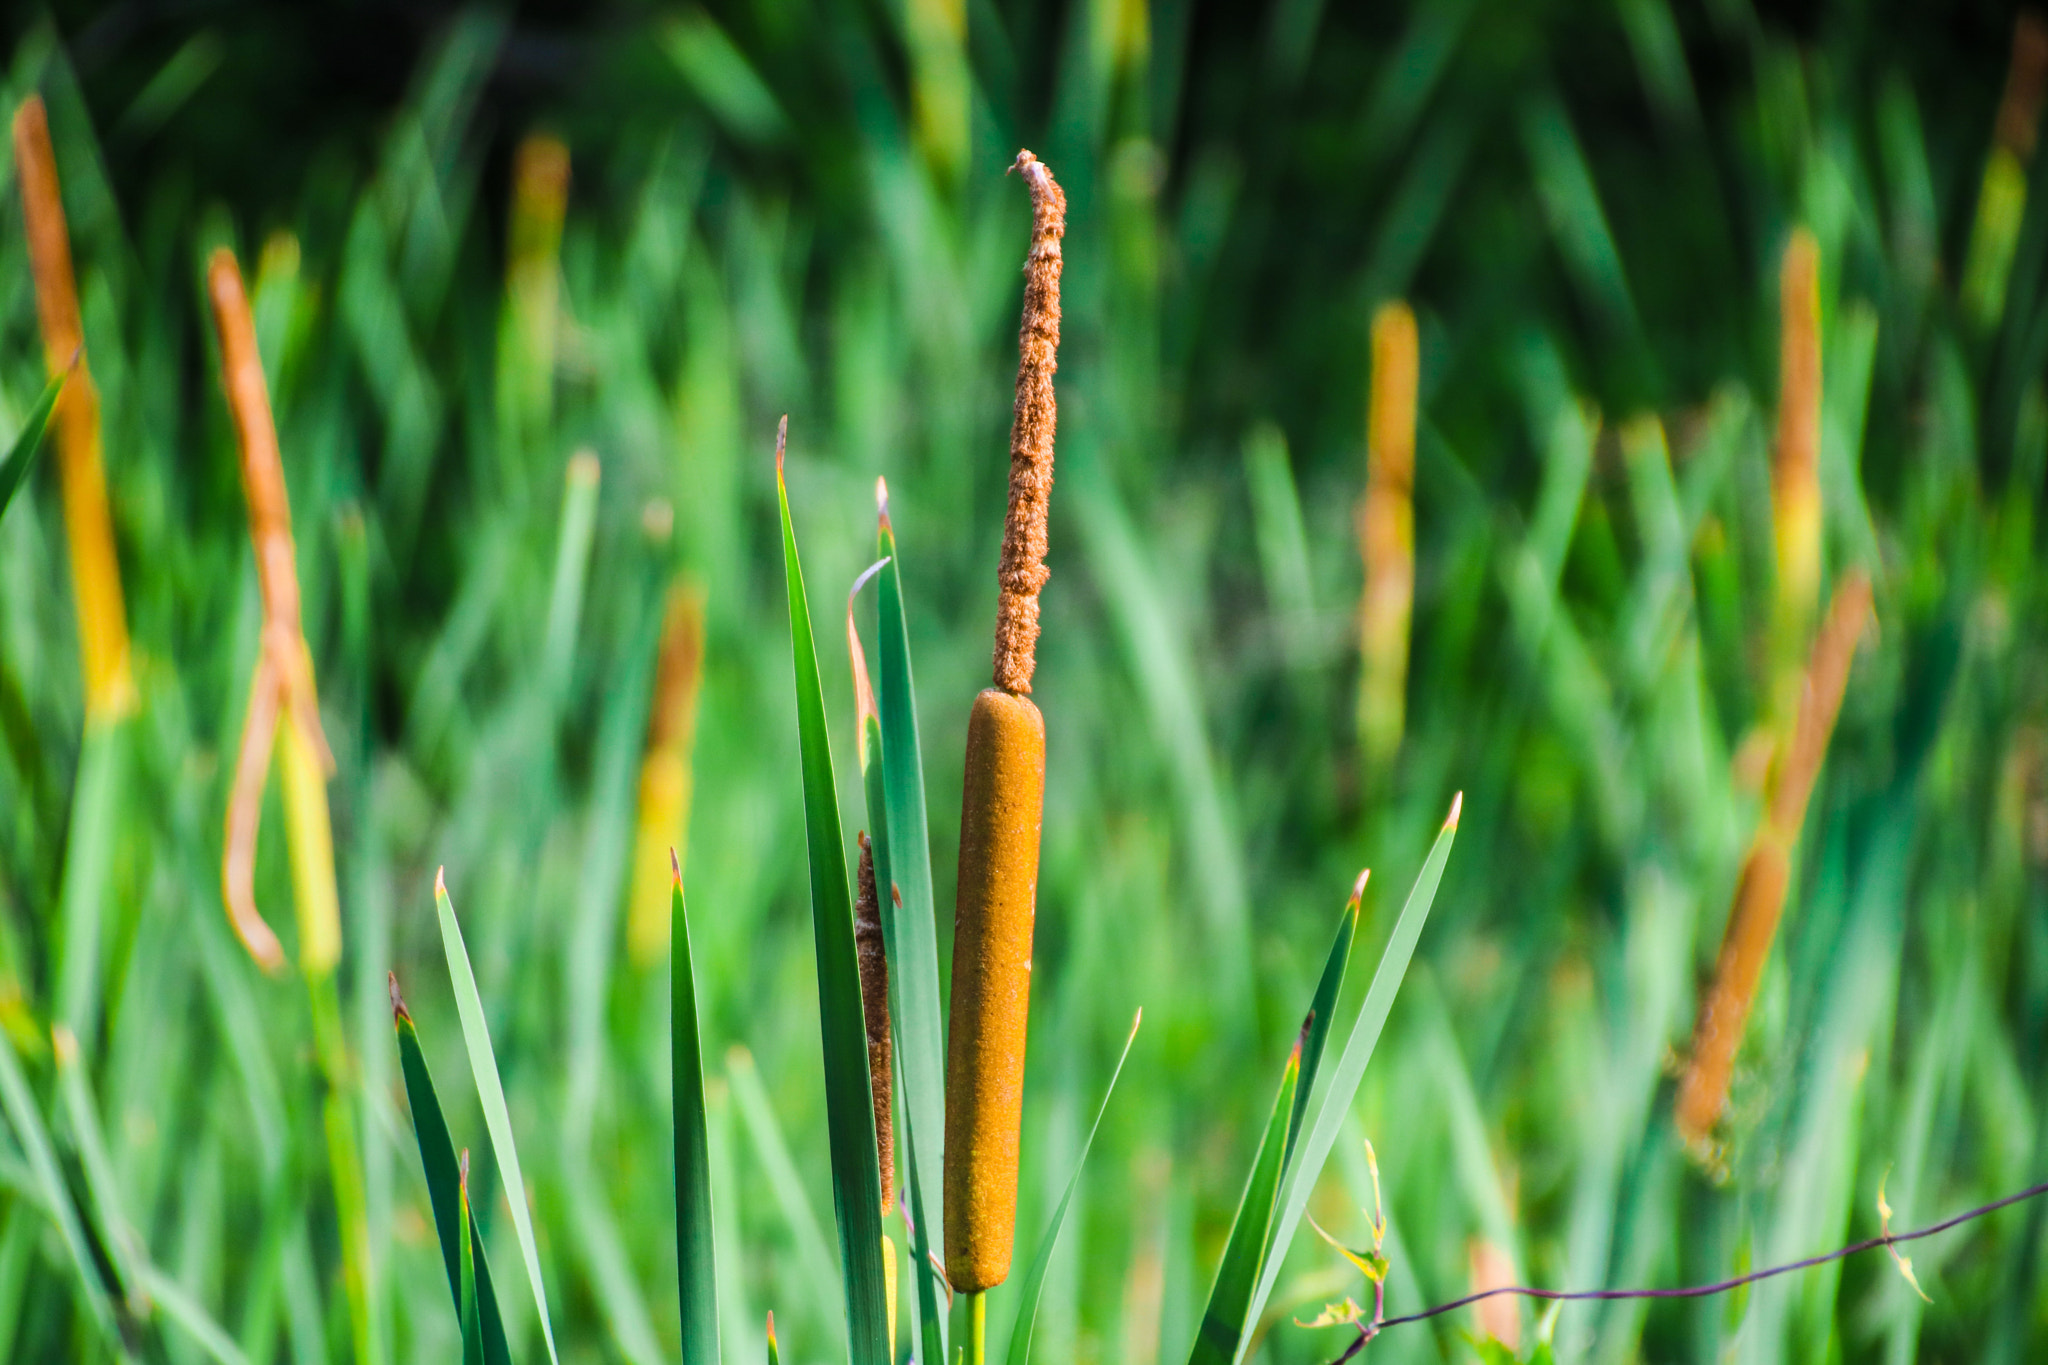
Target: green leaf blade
[[849, 1102], [483, 1065], [472, 1324], [910, 929], [444, 1184], [696, 1269], [1358, 1048], [1019, 1352], [1222, 1335], [28, 445]]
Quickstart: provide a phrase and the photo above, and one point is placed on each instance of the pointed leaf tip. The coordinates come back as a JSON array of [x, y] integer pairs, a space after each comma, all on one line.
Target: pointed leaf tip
[[462, 1169], [1457, 805], [1358, 887], [675, 867], [441, 881], [398, 1009], [882, 499], [781, 444]]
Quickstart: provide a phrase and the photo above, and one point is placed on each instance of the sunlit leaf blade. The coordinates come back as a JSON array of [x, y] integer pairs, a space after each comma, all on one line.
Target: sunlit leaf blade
[[444, 1184], [1365, 1034], [178, 1306], [849, 1103], [1223, 1322], [34, 1140], [1034, 1279], [21, 458], [916, 1009], [1321, 1013], [103, 1217], [696, 1272], [472, 1320], [483, 1064]]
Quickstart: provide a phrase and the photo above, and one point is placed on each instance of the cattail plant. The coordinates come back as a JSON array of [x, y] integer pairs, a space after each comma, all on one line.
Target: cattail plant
[[1386, 536], [2002, 201], [1766, 872], [663, 822], [88, 525], [1001, 808], [284, 711]]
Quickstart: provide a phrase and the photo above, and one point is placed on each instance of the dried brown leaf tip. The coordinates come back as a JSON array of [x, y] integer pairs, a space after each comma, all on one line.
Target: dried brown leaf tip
[[1036, 416]]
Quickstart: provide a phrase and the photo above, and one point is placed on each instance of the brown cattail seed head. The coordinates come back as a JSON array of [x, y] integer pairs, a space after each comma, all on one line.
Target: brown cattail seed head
[[1023, 570], [1002, 808], [873, 960]]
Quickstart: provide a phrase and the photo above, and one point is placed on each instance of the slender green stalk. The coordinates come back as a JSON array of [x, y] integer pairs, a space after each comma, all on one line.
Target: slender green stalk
[[977, 1328]]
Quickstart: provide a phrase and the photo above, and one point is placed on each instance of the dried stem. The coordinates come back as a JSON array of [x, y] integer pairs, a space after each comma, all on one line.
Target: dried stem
[[873, 959], [1023, 572], [283, 681]]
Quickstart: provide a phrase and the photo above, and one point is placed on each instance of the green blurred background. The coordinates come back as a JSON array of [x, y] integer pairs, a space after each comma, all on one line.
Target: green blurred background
[[800, 207]]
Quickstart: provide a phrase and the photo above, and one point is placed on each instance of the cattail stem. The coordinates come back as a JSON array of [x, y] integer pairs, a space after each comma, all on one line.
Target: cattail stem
[[1002, 806], [1766, 873], [284, 709], [88, 523], [1386, 535], [977, 1328]]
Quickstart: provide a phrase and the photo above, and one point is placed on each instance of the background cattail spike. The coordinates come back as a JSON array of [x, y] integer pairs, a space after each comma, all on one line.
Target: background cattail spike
[[88, 522], [1767, 871]]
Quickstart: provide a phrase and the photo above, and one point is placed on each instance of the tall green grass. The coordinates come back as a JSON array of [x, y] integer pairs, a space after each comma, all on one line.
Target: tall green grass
[[1586, 215]]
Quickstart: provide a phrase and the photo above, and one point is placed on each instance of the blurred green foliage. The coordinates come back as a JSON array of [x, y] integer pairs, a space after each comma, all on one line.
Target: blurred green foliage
[[799, 208]]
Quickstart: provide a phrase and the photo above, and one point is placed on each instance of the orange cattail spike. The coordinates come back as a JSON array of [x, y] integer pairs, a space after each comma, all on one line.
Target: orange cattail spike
[[1766, 873], [88, 524], [1386, 534], [1002, 807]]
